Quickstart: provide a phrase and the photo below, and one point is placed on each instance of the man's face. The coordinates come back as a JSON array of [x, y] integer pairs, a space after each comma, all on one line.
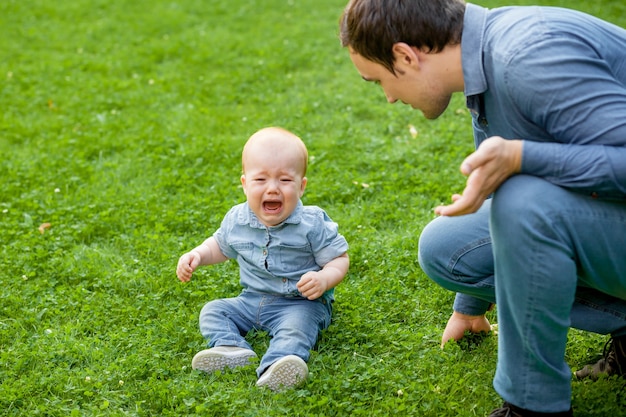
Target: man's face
[[412, 84]]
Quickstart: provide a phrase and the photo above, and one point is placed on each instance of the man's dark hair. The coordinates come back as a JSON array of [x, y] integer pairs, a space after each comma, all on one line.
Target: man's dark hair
[[371, 27]]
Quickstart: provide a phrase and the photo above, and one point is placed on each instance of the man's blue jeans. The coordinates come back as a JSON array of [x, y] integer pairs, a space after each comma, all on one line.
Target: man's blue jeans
[[293, 323], [549, 257]]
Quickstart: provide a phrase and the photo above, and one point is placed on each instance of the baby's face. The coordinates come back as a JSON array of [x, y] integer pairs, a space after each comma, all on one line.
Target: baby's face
[[273, 182]]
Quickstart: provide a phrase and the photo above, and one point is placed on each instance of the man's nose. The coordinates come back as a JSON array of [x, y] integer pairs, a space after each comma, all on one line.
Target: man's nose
[[391, 99]]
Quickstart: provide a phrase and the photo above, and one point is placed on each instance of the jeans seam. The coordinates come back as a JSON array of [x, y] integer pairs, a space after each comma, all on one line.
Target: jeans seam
[[598, 307], [456, 256]]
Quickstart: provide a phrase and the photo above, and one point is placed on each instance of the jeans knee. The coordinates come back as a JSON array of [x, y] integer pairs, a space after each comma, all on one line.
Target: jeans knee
[[454, 251], [211, 307], [521, 203], [432, 252], [218, 309]]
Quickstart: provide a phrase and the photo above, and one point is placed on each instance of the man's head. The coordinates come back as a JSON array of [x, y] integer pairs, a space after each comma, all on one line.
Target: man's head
[[411, 49], [274, 163], [371, 27]]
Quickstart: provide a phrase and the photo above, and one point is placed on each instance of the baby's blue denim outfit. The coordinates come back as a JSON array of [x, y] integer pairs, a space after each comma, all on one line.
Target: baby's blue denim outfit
[[271, 261]]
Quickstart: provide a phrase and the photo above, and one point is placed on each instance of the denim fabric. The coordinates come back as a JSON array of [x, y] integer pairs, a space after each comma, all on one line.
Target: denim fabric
[[456, 253], [557, 79], [293, 323], [273, 259], [560, 254], [271, 262], [546, 241]]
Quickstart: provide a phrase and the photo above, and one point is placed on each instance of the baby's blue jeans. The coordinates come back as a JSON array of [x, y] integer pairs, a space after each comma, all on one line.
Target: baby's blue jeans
[[293, 323]]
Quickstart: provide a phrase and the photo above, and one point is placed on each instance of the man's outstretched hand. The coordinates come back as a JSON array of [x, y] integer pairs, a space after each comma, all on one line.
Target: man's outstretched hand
[[495, 160]]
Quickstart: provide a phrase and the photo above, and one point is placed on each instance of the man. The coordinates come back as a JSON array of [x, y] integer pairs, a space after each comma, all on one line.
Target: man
[[546, 88]]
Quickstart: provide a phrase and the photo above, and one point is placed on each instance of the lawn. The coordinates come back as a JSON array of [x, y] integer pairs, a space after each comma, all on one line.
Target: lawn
[[121, 130]]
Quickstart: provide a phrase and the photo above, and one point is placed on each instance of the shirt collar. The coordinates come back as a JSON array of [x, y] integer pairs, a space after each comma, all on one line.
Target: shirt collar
[[247, 216], [472, 49]]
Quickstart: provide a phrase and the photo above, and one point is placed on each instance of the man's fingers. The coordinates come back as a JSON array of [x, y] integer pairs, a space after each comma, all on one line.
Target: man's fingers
[[458, 208]]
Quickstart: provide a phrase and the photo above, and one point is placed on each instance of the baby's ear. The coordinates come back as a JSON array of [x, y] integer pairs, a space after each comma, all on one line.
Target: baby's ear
[[243, 183], [302, 185]]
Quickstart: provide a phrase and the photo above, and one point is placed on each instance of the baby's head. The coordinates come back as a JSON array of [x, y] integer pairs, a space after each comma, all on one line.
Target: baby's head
[[279, 143], [274, 163]]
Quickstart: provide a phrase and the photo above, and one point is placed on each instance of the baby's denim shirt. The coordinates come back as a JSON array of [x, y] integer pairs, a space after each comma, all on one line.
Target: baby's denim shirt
[[273, 259]]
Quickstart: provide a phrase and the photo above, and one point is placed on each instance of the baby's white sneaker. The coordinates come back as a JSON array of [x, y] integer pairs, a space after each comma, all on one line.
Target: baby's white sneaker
[[285, 373], [220, 357]]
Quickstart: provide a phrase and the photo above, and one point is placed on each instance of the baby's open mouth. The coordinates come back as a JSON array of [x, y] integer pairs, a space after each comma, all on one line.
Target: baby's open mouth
[[272, 206]]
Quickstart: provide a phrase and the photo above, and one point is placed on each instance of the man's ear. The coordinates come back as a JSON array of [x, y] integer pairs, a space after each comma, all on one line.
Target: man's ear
[[403, 54]]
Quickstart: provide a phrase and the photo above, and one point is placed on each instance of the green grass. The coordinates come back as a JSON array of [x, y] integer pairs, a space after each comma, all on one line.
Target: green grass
[[122, 124]]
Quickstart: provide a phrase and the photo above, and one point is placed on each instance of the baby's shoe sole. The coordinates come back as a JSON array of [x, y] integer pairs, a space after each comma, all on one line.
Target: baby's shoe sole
[[285, 373], [218, 358]]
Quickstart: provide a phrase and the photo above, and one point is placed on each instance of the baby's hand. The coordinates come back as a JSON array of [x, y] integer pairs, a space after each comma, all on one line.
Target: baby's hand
[[186, 265], [312, 285]]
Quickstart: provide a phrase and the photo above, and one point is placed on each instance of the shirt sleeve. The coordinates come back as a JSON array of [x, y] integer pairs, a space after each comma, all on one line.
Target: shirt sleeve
[[326, 242], [222, 233], [577, 97]]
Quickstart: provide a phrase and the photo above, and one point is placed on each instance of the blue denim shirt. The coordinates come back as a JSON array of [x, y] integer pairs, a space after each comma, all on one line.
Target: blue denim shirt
[[273, 259], [557, 79]]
